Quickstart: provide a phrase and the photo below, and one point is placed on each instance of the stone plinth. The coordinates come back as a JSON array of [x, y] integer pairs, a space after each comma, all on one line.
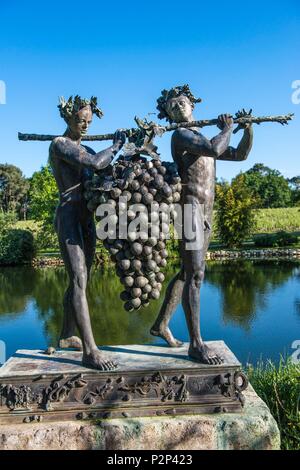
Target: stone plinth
[[149, 381], [253, 429], [157, 399]]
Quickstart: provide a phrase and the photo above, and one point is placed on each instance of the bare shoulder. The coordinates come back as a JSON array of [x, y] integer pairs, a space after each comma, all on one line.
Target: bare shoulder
[[178, 135], [63, 145], [184, 133], [59, 139], [57, 142]]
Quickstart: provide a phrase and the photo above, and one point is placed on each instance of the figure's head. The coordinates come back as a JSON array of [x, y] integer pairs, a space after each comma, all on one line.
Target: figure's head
[[177, 104], [78, 113]]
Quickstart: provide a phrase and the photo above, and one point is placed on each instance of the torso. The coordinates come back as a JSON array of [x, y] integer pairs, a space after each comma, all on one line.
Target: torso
[[70, 181], [198, 176]]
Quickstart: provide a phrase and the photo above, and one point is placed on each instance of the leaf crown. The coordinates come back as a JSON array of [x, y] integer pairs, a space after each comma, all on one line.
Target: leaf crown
[[174, 93], [68, 108]]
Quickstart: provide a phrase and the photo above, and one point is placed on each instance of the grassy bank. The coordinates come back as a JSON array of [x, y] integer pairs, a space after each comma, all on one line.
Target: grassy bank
[[268, 221], [275, 220], [279, 387]]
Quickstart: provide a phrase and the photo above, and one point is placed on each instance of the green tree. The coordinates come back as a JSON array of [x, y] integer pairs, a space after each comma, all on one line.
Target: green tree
[[220, 183], [295, 188], [235, 218], [268, 186], [13, 188], [43, 199]]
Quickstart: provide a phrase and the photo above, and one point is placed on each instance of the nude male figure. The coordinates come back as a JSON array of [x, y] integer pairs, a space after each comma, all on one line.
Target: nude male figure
[[72, 165], [195, 156]]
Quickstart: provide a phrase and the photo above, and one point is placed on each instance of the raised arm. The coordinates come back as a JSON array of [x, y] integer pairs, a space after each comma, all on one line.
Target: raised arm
[[243, 149], [77, 155], [195, 143]]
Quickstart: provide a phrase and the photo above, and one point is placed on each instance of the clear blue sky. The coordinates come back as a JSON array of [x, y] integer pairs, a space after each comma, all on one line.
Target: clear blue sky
[[233, 54]]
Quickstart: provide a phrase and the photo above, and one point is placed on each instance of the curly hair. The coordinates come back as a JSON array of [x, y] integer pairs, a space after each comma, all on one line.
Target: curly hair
[[174, 93], [70, 107]]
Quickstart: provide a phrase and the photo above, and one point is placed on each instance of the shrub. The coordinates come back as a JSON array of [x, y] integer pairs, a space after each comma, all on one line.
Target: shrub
[[234, 218], [6, 220], [16, 247]]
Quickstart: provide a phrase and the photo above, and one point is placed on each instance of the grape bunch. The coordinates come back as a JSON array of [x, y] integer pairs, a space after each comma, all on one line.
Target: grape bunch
[[153, 187]]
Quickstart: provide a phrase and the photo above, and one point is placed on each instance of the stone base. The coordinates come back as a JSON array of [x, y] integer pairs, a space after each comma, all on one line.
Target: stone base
[[253, 429]]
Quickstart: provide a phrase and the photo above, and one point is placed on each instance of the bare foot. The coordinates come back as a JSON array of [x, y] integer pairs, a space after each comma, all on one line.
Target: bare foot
[[204, 355], [97, 360], [71, 342], [167, 336]]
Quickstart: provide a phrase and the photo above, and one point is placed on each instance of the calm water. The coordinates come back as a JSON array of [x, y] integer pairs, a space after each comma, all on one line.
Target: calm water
[[253, 306]]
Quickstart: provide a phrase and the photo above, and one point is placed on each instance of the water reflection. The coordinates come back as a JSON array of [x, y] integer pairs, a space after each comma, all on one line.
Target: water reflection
[[46, 287], [240, 295], [16, 284], [245, 286]]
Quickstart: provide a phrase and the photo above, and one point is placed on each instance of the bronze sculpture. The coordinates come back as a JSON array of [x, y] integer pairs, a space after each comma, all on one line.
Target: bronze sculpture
[[72, 165], [195, 157]]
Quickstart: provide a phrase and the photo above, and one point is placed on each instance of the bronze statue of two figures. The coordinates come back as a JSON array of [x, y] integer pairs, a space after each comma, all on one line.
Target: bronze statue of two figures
[[146, 181]]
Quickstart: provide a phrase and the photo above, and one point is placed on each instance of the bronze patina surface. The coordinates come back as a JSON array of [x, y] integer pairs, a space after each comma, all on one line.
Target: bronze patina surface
[[149, 381]]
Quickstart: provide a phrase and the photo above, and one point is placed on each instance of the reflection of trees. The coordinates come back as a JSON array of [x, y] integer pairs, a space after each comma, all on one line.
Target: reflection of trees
[[297, 300], [48, 294], [46, 286], [16, 285], [244, 284], [111, 323]]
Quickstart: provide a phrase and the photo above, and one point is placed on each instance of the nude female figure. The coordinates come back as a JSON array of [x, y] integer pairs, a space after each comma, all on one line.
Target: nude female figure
[[195, 157], [72, 165]]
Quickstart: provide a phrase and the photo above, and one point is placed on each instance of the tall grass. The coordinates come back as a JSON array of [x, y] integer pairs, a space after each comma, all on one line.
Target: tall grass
[[279, 387], [274, 220]]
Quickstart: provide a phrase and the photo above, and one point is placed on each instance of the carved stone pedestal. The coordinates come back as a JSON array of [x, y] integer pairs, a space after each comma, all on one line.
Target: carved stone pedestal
[[253, 429], [157, 400], [150, 381]]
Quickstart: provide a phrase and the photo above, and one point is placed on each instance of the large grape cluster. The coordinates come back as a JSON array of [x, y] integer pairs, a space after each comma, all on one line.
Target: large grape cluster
[[154, 187]]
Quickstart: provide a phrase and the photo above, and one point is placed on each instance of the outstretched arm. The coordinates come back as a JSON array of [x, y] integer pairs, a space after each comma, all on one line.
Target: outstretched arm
[[77, 155], [243, 149], [195, 143]]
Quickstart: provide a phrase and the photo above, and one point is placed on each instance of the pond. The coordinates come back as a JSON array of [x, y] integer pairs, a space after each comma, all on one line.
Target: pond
[[254, 306]]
